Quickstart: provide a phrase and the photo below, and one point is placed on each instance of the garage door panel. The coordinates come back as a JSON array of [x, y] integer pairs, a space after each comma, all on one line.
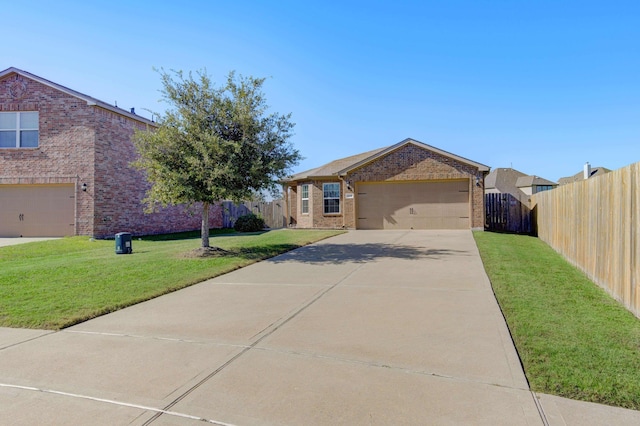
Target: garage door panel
[[413, 205], [37, 210]]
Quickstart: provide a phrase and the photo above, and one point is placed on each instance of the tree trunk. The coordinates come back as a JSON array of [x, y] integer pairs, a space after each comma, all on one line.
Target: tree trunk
[[204, 231]]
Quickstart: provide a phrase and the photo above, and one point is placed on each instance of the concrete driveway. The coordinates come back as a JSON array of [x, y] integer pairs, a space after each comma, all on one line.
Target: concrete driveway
[[15, 241], [366, 328]]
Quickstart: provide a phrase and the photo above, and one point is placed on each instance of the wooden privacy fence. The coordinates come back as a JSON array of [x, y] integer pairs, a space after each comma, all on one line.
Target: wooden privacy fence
[[271, 211], [505, 213], [595, 224]]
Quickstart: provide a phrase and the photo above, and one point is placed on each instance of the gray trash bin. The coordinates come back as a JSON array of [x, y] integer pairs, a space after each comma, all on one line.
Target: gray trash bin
[[123, 243]]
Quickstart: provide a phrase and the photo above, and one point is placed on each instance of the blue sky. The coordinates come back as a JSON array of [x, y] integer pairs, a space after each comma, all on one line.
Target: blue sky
[[543, 86]]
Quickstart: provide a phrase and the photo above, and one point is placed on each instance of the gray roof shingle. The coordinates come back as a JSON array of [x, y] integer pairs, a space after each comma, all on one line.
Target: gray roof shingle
[[595, 171], [525, 181], [344, 165]]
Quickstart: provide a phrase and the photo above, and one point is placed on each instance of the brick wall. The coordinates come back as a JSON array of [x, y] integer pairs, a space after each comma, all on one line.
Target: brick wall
[[305, 220], [120, 189], [293, 206], [320, 218], [65, 152], [412, 163], [80, 143], [316, 218]]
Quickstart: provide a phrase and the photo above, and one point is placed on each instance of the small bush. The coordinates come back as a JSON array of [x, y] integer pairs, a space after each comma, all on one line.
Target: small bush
[[249, 223]]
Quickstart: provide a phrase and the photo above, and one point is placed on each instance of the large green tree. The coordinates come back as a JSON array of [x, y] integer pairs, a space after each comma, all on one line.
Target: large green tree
[[214, 143]]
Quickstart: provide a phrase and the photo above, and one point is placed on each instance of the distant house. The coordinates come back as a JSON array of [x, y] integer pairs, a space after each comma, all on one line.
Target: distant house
[[587, 173], [510, 181], [533, 184], [65, 165], [409, 185]]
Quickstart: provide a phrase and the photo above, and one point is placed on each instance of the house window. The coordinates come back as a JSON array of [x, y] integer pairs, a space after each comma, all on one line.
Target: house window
[[304, 192], [331, 197], [19, 130], [540, 188]]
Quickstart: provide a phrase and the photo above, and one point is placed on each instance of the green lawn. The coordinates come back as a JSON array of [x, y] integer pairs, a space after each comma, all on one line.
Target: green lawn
[[58, 283], [574, 340]]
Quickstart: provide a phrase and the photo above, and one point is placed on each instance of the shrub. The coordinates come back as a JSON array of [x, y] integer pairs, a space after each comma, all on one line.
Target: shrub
[[249, 223]]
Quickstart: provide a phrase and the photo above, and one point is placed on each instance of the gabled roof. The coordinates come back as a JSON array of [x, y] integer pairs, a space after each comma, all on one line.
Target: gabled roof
[[345, 165], [595, 171], [88, 99], [332, 168], [504, 180], [526, 181]]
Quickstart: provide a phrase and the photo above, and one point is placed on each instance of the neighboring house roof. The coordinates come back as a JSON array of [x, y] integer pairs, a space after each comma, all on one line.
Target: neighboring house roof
[[595, 171], [503, 180], [88, 99], [345, 165], [526, 181]]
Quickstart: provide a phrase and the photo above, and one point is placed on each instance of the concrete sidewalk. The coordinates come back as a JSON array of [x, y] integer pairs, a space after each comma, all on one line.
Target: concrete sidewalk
[[368, 327]]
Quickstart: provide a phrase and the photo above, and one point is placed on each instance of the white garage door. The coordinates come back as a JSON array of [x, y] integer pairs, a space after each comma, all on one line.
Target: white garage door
[[37, 210], [413, 205]]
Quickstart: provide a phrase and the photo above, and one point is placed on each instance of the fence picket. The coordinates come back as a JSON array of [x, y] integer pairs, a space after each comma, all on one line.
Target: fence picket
[[595, 224], [271, 211], [505, 213]]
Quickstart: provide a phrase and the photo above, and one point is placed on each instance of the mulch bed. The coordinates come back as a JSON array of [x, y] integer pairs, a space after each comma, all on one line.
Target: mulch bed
[[201, 252]]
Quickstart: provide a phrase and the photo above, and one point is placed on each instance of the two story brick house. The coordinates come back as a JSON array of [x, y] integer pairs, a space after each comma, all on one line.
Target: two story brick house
[[65, 165], [409, 185]]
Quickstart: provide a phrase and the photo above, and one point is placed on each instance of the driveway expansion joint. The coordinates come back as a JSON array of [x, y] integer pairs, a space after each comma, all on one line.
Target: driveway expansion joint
[[160, 338], [110, 401], [540, 408], [390, 367], [27, 340]]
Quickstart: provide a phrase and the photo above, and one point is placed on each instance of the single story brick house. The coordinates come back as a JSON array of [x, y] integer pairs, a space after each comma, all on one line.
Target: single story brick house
[[65, 165], [409, 185]]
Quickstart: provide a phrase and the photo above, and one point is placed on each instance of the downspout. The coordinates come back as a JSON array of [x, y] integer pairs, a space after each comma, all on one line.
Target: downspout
[[344, 199], [287, 210], [76, 210]]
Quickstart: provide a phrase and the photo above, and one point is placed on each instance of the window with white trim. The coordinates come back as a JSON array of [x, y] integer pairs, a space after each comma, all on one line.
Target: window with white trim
[[19, 129], [304, 196], [331, 197]]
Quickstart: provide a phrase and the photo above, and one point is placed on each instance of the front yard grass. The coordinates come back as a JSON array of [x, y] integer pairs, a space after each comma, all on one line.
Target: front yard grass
[[574, 340], [58, 283]]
